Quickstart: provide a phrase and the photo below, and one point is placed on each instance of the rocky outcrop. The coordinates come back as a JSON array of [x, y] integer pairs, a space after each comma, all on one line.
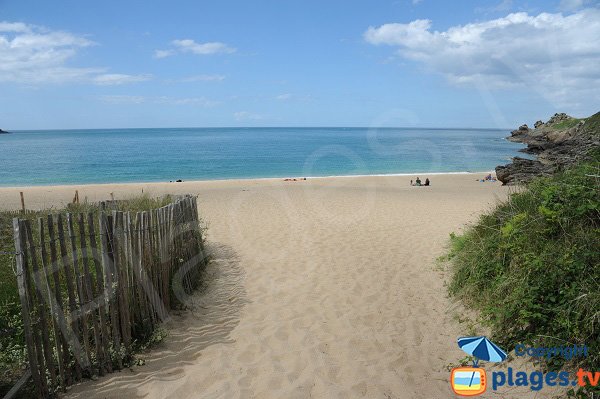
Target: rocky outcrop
[[521, 170], [3, 131], [559, 118], [557, 143]]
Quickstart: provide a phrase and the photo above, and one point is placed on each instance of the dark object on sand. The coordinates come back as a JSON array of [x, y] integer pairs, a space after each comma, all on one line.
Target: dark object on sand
[[294, 179], [178, 181], [419, 183]]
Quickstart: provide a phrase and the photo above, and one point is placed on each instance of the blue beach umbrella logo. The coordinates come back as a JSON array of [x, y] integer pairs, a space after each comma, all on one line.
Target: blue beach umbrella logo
[[482, 349]]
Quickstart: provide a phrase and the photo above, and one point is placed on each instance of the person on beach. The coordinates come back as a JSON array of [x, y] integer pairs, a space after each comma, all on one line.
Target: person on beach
[[427, 181], [411, 182], [488, 178], [418, 181]]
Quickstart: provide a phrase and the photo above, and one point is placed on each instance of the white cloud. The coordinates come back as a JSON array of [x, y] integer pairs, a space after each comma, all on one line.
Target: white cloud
[[190, 46], [130, 99], [36, 55], [202, 48], [113, 79], [163, 53], [30, 54], [19, 27], [550, 53], [284, 97], [246, 116]]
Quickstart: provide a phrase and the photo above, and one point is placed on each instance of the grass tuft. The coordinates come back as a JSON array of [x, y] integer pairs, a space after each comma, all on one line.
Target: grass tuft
[[566, 124]]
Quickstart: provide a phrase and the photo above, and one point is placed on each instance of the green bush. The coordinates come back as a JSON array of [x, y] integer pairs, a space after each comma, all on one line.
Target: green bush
[[532, 265]]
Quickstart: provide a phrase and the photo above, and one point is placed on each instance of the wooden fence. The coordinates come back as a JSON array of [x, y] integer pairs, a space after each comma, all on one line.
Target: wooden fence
[[92, 285]]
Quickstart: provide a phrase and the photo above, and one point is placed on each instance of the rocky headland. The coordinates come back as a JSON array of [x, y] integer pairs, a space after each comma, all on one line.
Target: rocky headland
[[3, 131], [558, 143]]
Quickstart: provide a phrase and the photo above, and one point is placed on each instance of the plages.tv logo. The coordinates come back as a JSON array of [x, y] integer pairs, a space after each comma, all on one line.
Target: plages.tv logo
[[472, 381]]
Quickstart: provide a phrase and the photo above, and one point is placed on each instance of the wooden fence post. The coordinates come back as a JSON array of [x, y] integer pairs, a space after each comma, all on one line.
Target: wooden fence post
[[22, 202]]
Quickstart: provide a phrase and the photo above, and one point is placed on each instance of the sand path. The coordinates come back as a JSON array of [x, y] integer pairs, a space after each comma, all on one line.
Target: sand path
[[324, 289]]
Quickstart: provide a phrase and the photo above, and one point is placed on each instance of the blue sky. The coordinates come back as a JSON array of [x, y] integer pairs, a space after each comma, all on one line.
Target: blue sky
[[83, 64]]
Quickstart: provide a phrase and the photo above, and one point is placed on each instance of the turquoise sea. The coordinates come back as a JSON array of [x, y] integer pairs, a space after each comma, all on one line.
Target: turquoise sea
[[152, 155]]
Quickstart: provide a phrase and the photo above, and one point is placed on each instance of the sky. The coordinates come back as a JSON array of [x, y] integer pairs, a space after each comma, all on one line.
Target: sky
[[410, 63]]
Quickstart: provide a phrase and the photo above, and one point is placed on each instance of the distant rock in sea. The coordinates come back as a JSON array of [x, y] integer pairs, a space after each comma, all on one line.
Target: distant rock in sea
[[558, 143], [3, 131]]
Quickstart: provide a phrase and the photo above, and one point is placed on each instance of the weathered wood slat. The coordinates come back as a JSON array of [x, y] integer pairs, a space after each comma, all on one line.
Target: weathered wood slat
[[107, 243], [141, 277], [90, 306], [137, 293], [35, 298], [153, 280], [54, 309], [156, 282], [59, 316], [127, 288], [121, 273], [70, 280], [83, 317], [99, 294], [162, 254], [22, 270]]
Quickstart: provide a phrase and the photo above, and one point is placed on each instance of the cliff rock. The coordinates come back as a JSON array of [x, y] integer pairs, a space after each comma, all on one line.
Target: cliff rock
[[557, 144]]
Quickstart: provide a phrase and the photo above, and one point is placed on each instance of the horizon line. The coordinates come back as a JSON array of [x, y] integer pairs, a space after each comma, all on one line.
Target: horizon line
[[263, 127]]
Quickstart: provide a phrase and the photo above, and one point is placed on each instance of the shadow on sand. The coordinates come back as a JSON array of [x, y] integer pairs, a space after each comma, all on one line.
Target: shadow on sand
[[213, 312]]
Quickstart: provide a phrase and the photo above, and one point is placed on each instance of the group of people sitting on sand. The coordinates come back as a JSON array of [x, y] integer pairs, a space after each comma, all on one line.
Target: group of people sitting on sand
[[489, 178], [419, 183], [294, 179]]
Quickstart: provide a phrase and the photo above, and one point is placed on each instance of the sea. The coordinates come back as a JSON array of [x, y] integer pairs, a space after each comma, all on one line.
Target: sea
[[53, 157]]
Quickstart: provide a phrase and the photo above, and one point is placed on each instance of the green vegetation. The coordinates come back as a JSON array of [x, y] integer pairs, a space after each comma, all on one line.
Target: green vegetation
[[592, 124], [13, 358], [532, 265], [566, 124]]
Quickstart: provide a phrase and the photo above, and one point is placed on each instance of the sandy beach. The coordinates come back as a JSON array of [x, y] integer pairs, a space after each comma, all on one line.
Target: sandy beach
[[325, 288]]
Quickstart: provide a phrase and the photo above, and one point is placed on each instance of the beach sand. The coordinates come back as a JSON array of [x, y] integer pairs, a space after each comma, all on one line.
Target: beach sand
[[325, 288]]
